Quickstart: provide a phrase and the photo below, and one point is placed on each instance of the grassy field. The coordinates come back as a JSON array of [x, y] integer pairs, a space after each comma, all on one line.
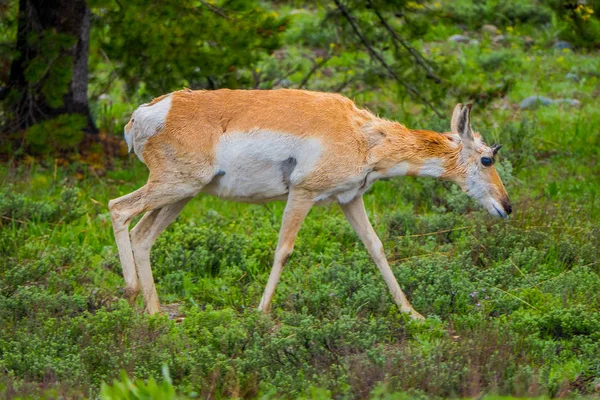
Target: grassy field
[[512, 306]]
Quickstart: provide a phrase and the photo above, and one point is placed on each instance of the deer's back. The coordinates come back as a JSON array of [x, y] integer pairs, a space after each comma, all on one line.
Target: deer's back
[[254, 145]]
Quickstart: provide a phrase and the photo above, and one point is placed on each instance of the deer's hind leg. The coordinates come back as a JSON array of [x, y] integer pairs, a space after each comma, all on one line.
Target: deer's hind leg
[[143, 236], [154, 195]]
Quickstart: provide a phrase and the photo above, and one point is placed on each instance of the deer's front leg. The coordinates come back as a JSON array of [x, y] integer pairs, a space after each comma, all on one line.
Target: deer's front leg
[[298, 205], [357, 216]]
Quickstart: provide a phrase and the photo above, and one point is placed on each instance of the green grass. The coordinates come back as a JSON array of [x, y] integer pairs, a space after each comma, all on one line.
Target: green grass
[[512, 306]]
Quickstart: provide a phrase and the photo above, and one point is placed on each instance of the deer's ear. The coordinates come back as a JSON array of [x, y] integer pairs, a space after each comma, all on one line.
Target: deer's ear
[[455, 116], [463, 126]]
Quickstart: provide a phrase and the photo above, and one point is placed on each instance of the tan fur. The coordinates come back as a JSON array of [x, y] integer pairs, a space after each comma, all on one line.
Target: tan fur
[[355, 143], [198, 118]]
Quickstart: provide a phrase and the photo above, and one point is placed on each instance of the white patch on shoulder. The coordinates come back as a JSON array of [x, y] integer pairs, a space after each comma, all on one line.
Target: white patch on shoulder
[[261, 165], [147, 122], [433, 167]]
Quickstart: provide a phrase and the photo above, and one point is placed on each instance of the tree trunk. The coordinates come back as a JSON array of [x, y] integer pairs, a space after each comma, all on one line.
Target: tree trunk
[[50, 77]]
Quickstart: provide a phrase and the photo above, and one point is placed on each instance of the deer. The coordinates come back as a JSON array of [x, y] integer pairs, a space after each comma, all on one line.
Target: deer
[[308, 148]]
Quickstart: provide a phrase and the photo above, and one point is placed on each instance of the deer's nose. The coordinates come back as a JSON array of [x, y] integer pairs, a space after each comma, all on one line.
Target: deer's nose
[[507, 206]]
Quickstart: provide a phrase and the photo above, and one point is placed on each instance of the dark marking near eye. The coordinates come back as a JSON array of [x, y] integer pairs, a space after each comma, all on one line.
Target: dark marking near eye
[[219, 173], [287, 167]]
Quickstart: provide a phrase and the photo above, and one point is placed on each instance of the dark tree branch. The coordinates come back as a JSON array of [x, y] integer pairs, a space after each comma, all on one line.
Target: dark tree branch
[[416, 55], [343, 85], [217, 10], [374, 54], [314, 69], [287, 75]]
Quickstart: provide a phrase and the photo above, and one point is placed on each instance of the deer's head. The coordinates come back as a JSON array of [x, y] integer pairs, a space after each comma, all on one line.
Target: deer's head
[[474, 167]]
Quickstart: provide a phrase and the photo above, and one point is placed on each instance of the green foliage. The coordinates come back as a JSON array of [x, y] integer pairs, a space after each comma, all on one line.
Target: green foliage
[[61, 133], [190, 43], [8, 30], [16, 207], [497, 12], [381, 36], [578, 22], [51, 68], [126, 389]]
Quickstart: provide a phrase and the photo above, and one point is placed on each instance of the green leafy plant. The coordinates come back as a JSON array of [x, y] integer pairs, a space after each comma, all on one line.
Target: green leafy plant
[[60, 133]]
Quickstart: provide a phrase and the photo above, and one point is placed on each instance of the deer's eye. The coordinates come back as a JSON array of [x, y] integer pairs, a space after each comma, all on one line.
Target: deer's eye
[[487, 161]]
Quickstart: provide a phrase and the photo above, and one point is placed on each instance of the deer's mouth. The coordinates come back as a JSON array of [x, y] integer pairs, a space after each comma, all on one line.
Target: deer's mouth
[[501, 214]]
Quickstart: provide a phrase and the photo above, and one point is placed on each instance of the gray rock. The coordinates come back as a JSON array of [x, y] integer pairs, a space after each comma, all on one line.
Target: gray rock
[[459, 39], [499, 39], [489, 28], [571, 102], [562, 44], [573, 77], [285, 83], [533, 102]]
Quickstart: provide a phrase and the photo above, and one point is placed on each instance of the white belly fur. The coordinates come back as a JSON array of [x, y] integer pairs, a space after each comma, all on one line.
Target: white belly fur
[[350, 189], [250, 166]]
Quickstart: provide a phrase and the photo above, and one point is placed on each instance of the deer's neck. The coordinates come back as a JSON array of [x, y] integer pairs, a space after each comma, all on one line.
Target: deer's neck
[[403, 151]]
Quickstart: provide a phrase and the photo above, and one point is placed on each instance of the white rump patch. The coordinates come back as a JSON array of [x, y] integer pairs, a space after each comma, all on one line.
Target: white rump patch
[[433, 167], [260, 165], [147, 122]]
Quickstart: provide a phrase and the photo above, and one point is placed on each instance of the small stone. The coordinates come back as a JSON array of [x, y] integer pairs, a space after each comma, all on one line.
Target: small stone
[[532, 102], [459, 39], [489, 28], [499, 39], [573, 77], [285, 83], [571, 102], [562, 44]]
